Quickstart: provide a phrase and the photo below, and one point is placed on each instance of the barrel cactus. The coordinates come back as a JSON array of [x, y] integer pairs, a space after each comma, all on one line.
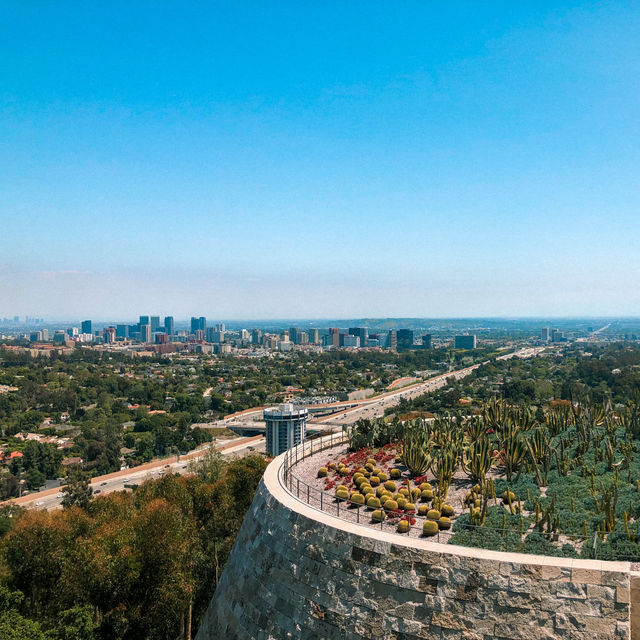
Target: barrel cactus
[[380, 490], [423, 509], [401, 502], [396, 474], [383, 477], [434, 514], [373, 502], [322, 472], [447, 510], [391, 505], [342, 493], [426, 495], [390, 485], [425, 486], [378, 515], [343, 471], [374, 481], [508, 496], [415, 494], [357, 499], [444, 523], [404, 491], [430, 528], [403, 526], [409, 506]]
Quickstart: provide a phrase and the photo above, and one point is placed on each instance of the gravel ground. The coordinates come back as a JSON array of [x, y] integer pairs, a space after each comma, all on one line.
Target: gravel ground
[[305, 484]]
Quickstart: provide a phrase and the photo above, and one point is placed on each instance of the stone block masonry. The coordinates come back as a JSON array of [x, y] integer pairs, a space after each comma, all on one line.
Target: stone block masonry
[[296, 572]]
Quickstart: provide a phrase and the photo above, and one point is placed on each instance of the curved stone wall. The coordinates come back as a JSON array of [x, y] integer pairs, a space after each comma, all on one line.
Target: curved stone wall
[[295, 572]]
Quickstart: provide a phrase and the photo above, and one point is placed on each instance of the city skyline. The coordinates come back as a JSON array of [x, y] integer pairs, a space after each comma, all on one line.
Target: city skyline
[[441, 160]]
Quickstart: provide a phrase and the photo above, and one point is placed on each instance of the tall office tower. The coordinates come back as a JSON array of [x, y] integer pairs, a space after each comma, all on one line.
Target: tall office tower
[[155, 323], [86, 326], [362, 333], [144, 320], [464, 342], [220, 326], [109, 334], [198, 324], [168, 325], [392, 340], [145, 333], [314, 336], [285, 427], [293, 334], [45, 334], [161, 338], [334, 332], [122, 331], [557, 335], [347, 340], [426, 341], [72, 331], [303, 338], [544, 333], [256, 336], [405, 338], [244, 334], [285, 336], [59, 337]]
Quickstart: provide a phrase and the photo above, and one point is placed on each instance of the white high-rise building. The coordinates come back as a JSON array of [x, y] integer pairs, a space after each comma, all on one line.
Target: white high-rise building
[[286, 426]]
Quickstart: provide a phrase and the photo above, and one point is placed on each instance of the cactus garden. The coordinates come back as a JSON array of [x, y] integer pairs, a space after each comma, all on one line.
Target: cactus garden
[[562, 482]]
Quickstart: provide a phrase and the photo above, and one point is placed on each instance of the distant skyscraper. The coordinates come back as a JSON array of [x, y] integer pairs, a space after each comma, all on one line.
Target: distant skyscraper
[[464, 342], [405, 338], [349, 340], [392, 340], [122, 331], [557, 335], [256, 336], [334, 332], [109, 334], [161, 338], [86, 326], [144, 320], [360, 332], [145, 333], [198, 324], [168, 325], [544, 333], [155, 323], [426, 341], [313, 336]]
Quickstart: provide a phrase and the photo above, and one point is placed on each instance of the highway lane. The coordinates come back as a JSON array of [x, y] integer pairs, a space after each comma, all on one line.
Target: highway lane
[[52, 498]]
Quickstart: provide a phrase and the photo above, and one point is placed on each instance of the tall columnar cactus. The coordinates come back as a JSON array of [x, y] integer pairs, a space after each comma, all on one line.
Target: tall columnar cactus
[[514, 448], [477, 458], [444, 465], [416, 448], [606, 503], [540, 449]]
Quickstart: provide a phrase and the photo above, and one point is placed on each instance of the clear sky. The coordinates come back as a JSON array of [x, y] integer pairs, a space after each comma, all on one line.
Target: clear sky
[[310, 159]]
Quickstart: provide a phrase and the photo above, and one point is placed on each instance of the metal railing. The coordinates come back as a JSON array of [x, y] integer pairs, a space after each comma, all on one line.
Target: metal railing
[[503, 539]]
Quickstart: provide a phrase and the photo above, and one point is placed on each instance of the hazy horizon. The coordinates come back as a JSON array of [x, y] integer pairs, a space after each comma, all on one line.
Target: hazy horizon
[[336, 160]]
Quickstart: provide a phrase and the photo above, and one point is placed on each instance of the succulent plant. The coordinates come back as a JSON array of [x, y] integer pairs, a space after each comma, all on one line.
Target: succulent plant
[[390, 485], [444, 523], [401, 502], [423, 509], [404, 492], [374, 481], [383, 477], [343, 471], [322, 472], [447, 510], [425, 486], [373, 502], [426, 495], [434, 514], [430, 528], [396, 474], [357, 498], [378, 515], [403, 526], [409, 506], [390, 505], [380, 491], [415, 494]]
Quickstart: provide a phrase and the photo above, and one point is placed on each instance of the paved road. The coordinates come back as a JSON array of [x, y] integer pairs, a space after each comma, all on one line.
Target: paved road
[[52, 498]]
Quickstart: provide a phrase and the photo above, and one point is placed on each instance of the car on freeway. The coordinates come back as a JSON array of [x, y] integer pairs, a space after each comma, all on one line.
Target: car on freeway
[[102, 484], [39, 503]]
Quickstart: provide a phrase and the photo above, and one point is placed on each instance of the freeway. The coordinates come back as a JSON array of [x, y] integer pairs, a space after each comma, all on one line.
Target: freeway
[[52, 498]]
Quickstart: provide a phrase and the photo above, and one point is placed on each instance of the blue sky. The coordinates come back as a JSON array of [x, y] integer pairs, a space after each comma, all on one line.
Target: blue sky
[[307, 159]]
